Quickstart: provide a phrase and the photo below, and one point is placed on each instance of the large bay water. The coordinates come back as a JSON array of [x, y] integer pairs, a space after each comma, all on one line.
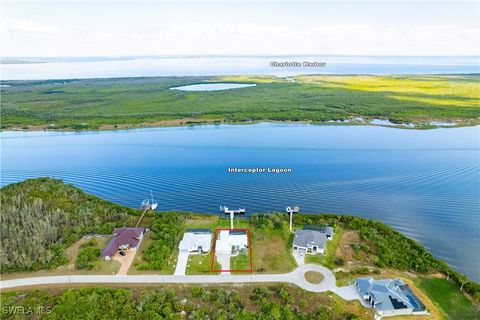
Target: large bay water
[[424, 183], [57, 68]]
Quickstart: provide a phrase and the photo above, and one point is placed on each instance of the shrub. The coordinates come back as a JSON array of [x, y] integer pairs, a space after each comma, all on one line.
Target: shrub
[[86, 257], [339, 262]]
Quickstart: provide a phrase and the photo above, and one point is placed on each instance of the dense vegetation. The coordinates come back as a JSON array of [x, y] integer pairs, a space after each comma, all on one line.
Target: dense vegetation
[[196, 303], [120, 102], [393, 250], [41, 217], [88, 254], [166, 231]]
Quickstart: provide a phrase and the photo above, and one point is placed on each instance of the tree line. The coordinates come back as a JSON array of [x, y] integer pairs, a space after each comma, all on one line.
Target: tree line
[[41, 217]]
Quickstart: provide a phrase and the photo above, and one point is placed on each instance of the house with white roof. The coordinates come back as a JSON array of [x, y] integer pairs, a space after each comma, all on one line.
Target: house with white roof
[[389, 297], [196, 241], [229, 241]]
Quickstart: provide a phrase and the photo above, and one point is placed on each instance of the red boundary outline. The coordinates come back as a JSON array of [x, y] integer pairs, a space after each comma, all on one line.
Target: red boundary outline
[[249, 249]]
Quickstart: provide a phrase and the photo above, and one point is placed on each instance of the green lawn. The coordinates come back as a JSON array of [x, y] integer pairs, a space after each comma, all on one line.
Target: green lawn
[[201, 264], [328, 258], [447, 296], [134, 102], [240, 262]]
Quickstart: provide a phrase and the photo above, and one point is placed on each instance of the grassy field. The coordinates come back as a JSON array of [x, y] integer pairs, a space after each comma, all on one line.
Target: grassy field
[[271, 252], [139, 102], [448, 298], [313, 277]]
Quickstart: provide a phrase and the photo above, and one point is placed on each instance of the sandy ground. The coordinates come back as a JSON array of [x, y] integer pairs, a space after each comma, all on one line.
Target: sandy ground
[[126, 261]]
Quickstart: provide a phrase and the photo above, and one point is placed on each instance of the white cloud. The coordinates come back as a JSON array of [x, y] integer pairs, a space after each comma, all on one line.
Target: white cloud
[[21, 37], [15, 25]]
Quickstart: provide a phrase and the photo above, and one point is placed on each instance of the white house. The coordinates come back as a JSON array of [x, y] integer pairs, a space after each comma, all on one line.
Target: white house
[[196, 240], [229, 241]]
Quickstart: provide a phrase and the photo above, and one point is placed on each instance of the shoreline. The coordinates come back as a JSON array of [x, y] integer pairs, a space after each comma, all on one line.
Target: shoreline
[[192, 122]]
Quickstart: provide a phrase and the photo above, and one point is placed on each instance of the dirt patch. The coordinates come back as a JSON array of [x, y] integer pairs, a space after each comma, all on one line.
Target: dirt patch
[[354, 251], [162, 123]]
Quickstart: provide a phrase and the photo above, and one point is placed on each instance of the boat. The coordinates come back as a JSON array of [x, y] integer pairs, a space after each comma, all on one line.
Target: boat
[[153, 204]]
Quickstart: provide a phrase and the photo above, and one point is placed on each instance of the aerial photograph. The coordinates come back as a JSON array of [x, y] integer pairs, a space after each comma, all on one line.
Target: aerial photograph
[[240, 160]]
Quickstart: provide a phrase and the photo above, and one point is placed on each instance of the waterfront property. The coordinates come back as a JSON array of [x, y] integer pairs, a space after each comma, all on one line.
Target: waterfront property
[[312, 239], [389, 297], [327, 230], [123, 239], [196, 241], [231, 241]]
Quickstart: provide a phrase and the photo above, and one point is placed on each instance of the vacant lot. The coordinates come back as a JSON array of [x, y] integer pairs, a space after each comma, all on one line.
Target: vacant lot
[[448, 298], [272, 251]]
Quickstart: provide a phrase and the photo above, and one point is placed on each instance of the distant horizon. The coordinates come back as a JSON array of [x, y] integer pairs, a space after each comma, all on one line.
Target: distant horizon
[[237, 55]]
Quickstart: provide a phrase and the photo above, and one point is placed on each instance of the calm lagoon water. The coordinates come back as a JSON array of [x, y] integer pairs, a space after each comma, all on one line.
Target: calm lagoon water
[[233, 65], [424, 183], [214, 86]]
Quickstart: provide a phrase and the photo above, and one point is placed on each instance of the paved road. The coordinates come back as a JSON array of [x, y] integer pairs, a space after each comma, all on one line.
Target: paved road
[[295, 277]]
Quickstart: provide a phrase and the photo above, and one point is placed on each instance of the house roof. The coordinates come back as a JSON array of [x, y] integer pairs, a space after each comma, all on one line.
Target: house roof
[[198, 230], [228, 238], [389, 294], [194, 240], [324, 229], [123, 236], [306, 238]]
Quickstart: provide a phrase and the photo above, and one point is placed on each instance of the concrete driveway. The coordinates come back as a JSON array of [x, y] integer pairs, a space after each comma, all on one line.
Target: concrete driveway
[[125, 260], [299, 258], [347, 293], [224, 261], [181, 267]]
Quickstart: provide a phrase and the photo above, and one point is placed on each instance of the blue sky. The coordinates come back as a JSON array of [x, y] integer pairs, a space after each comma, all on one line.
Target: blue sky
[[169, 28]]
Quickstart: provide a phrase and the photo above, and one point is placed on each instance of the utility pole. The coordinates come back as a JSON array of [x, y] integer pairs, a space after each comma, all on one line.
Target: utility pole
[[231, 219]]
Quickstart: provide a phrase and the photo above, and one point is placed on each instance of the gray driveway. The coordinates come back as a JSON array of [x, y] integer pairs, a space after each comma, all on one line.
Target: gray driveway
[[295, 277], [299, 258], [181, 263], [347, 293], [224, 261]]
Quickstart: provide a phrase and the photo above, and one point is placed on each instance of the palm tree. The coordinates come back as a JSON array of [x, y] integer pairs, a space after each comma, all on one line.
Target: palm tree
[[463, 280]]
